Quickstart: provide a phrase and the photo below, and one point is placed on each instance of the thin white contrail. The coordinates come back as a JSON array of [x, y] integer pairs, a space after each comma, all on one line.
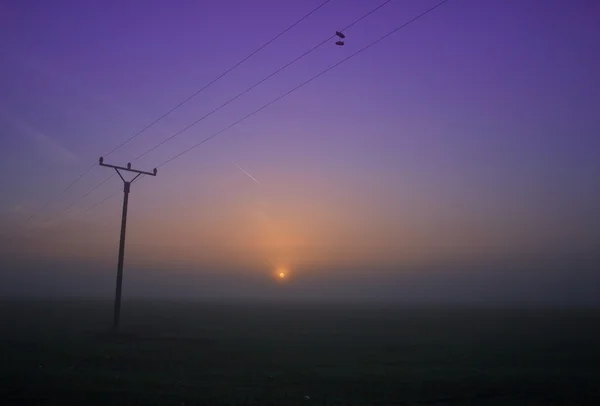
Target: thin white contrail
[[243, 170]]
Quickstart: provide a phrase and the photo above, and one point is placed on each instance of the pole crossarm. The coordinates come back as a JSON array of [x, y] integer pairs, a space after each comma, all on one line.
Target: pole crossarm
[[128, 168]]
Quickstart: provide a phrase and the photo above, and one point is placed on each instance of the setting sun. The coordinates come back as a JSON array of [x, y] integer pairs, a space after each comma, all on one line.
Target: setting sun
[[281, 274]]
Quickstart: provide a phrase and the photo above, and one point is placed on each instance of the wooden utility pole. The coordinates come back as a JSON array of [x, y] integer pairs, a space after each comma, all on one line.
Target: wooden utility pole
[[126, 188]]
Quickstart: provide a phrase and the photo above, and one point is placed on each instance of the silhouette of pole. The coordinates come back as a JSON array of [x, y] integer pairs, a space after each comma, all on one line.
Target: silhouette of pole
[[117, 310], [126, 189]]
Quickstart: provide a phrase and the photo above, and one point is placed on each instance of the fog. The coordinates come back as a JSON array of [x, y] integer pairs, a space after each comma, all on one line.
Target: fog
[[556, 282]]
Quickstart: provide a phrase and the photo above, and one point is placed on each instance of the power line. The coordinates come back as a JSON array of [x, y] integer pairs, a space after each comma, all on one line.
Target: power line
[[92, 190], [100, 202], [243, 92], [258, 83], [92, 207], [183, 102], [295, 88], [63, 191], [217, 78], [58, 213], [303, 83], [88, 193], [97, 186]]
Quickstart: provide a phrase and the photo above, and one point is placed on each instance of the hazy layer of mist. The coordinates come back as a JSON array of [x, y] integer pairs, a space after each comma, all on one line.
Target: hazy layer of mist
[[554, 282]]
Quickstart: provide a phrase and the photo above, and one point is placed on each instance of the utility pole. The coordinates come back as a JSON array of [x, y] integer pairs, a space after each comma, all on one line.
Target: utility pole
[[126, 187]]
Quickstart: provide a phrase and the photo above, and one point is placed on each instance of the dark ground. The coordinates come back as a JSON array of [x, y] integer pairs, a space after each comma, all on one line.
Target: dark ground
[[277, 354]]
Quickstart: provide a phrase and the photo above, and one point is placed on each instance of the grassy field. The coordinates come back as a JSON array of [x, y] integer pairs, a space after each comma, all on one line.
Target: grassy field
[[296, 354]]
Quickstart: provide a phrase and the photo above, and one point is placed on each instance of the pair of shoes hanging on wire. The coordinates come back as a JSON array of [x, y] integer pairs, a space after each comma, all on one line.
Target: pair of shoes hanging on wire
[[342, 36]]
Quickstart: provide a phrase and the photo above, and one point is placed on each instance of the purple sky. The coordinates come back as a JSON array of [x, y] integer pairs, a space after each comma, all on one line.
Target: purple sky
[[471, 135]]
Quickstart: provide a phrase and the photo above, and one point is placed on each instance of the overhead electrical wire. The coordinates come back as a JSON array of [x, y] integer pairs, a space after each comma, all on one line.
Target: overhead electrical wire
[[239, 95], [302, 84], [100, 202], [295, 88], [84, 173], [218, 77], [83, 196], [326, 40]]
